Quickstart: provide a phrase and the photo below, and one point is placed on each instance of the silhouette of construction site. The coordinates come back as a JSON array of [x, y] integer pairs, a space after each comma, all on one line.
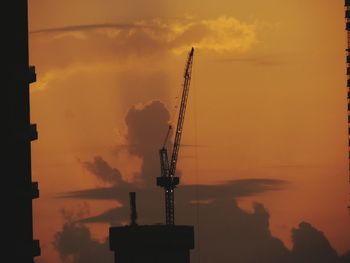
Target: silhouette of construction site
[[159, 243], [150, 243]]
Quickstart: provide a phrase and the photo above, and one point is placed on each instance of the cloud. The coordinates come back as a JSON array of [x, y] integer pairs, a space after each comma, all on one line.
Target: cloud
[[270, 60], [103, 171], [63, 52], [147, 126], [230, 189], [147, 84], [86, 27], [151, 209], [67, 72], [223, 34], [239, 236], [311, 246], [75, 244], [244, 237]]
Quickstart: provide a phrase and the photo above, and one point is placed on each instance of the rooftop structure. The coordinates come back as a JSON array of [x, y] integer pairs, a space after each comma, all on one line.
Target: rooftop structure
[[152, 243]]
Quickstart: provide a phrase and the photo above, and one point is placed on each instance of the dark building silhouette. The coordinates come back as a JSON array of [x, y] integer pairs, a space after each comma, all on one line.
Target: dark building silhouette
[[347, 17], [150, 243], [17, 187]]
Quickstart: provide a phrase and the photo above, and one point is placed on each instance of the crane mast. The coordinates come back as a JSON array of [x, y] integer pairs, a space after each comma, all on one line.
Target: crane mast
[[168, 180]]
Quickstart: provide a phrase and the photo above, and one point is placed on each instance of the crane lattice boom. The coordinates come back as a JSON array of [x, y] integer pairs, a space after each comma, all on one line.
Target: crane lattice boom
[[168, 180]]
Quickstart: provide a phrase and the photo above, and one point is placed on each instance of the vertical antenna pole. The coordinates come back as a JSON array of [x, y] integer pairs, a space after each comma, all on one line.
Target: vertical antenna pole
[[133, 214]]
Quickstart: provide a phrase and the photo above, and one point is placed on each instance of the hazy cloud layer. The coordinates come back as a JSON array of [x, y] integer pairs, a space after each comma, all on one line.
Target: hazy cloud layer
[[151, 205], [83, 28], [229, 189], [223, 34], [90, 48]]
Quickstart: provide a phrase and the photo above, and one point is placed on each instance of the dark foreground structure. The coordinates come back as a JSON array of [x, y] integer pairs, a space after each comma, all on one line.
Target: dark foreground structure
[[17, 189], [347, 18], [152, 243]]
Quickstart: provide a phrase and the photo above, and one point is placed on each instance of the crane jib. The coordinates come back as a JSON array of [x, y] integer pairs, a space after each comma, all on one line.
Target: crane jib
[[168, 180]]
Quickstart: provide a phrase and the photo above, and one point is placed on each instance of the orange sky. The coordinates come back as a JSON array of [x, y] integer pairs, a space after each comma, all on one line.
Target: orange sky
[[268, 100]]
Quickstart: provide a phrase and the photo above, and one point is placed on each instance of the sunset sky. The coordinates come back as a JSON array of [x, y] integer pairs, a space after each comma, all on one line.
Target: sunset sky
[[267, 109]]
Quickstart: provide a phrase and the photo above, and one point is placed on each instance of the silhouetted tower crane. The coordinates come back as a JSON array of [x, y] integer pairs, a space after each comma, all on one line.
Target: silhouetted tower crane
[[168, 180], [158, 243]]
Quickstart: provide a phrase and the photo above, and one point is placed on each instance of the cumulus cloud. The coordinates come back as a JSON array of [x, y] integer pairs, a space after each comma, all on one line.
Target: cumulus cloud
[[311, 246], [245, 237], [242, 236], [103, 171], [147, 126], [75, 244]]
